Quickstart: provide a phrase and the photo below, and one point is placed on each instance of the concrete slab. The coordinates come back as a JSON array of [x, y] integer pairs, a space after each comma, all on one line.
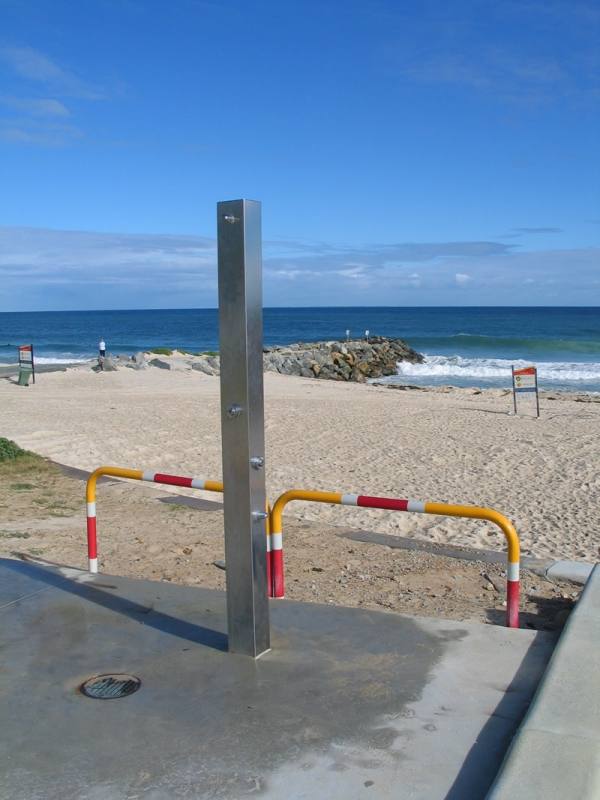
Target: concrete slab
[[539, 565], [556, 753], [576, 571], [349, 704], [548, 767]]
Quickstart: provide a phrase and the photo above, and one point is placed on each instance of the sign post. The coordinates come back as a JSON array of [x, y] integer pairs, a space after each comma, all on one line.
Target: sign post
[[242, 424], [26, 363], [525, 380]]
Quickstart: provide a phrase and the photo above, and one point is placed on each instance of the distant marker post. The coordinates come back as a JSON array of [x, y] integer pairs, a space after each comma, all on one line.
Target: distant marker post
[[525, 380], [26, 362]]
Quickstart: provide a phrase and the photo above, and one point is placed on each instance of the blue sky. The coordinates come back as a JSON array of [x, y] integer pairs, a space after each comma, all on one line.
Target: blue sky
[[426, 153]]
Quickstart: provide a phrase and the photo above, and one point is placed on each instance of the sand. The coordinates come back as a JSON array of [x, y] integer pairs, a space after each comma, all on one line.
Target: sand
[[145, 532], [454, 446]]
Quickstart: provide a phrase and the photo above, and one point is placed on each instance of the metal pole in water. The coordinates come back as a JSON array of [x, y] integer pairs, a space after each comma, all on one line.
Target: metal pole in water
[[242, 424]]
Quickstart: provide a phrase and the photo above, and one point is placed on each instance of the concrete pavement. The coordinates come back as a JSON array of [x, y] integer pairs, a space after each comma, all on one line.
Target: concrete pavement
[[348, 704], [556, 753]]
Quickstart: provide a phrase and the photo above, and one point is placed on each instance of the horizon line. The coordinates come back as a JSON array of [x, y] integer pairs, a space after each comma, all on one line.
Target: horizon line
[[288, 308]]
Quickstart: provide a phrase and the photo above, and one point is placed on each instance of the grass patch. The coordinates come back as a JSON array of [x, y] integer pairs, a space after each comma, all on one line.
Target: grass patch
[[29, 465], [60, 510], [162, 351], [22, 487], [56, 508], [9, 451], [208, 353], [14, 535]]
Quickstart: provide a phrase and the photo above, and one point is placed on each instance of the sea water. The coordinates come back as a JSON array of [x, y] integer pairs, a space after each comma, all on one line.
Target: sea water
[[462, 346]]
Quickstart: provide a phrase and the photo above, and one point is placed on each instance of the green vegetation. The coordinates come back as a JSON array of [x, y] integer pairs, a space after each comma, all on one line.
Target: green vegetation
[[162, 351], [32, 489], [9, 450], [176, 507], [23, 472], [209, 353], [54, 506]]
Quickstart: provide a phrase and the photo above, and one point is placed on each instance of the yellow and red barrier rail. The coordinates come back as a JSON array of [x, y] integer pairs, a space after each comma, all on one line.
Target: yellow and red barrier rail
[[275, 565], [136, 475], [393, 504], [152, 477]]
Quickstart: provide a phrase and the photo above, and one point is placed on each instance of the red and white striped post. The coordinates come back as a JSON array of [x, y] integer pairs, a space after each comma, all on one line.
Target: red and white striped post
[[92, 541]]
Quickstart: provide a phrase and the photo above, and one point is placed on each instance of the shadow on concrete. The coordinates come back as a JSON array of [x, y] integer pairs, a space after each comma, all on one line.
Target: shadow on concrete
[[551, 614], [512, 709], [484, 410], [422, 545], [446, 550], [122, 605], [196, 503]]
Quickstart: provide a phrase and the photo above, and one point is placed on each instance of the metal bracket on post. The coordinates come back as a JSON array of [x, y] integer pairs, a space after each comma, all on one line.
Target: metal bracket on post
[[242, 424]]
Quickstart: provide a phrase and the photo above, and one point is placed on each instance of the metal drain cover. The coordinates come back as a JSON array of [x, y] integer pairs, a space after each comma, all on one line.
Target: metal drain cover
[[109, 687]]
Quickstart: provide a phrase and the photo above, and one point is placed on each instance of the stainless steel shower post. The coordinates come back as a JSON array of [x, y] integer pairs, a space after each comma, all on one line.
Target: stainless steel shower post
[[242, 424]]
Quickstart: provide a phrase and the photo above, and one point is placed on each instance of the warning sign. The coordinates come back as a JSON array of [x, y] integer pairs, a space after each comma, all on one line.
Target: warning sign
[[26, 363], [525, 380]]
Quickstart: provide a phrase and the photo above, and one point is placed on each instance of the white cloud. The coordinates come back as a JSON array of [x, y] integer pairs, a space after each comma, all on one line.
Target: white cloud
[[28, 63], [36, 67], [508, 56], [351, 272], [37, 107], [41, 268], [41, 121], [31, 131]]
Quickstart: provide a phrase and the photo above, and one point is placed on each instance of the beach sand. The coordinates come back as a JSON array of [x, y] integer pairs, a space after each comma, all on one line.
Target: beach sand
[[147, 532], [455, 446]]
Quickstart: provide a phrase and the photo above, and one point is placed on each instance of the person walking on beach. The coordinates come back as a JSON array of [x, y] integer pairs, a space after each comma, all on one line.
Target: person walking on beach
[[101, 353]]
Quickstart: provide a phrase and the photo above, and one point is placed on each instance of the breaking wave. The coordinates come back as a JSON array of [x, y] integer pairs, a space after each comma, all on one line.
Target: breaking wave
[[497, 371]]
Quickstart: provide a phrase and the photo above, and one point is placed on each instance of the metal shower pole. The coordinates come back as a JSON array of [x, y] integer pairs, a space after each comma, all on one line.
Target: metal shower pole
[[242, 424]]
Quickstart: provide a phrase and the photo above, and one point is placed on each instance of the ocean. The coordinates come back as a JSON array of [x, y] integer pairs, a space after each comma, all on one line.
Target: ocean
[[462, 346]]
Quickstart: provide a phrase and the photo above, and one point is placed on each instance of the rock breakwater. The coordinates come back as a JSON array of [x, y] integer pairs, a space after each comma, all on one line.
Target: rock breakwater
[[356, 360]]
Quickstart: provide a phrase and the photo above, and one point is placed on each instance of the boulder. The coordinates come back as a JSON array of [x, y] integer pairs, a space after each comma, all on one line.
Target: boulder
[[109, 365], [204, 367], [158, 362], [138, 361]]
